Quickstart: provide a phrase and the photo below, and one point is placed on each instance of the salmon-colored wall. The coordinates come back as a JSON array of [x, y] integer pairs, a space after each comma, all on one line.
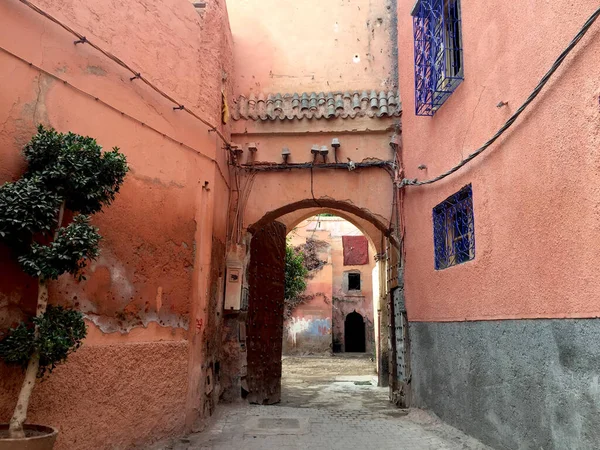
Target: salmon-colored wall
[[536, 202], [312, 45], [308, 330], [317, 324], [147, 298], [345, 302]]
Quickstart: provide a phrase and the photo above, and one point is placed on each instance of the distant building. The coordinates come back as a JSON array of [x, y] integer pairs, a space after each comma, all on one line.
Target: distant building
[[337, 314]]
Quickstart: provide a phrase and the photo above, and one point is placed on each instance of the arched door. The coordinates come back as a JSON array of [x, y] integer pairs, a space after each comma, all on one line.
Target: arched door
[[354, 333]]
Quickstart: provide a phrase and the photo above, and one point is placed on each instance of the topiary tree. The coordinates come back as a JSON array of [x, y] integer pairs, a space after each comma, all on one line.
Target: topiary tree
[[65, 172]]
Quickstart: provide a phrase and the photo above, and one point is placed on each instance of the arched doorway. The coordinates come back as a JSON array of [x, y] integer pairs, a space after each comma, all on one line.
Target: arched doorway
[[354, 333], [263, 329]]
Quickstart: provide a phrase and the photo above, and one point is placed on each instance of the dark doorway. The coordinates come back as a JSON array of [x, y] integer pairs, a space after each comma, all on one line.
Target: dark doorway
[[354, 333]]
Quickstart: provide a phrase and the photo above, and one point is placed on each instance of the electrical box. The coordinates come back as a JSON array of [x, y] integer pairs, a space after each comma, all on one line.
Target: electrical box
[[234, 279]]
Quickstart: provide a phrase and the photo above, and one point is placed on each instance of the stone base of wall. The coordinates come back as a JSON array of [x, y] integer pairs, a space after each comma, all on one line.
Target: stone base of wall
[[113, 396], [528, 384]]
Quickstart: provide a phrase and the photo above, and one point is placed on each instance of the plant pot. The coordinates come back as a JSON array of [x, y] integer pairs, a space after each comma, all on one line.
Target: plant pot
[[38, 437]]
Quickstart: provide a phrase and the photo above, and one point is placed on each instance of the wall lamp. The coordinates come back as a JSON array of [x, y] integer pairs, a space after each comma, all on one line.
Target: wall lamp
[[335, 144], [315, 150], [285, 154], [324, 152], [236, 153]]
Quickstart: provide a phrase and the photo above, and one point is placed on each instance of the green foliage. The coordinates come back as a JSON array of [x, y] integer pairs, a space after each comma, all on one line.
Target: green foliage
[[26, 208], [295, 273], [60, 332], [76, 167], [74, 245], [62, 168]]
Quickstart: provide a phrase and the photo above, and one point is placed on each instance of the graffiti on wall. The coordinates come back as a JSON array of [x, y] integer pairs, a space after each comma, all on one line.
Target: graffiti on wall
[[307, 326]]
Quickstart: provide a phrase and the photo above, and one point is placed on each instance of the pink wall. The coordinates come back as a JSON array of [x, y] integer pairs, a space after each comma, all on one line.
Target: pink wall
[[535, 191], [148, 289], [311, 45], [328, 309]]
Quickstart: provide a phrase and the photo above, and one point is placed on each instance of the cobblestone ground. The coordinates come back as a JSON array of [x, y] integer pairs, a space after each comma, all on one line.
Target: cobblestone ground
[[328, 410]]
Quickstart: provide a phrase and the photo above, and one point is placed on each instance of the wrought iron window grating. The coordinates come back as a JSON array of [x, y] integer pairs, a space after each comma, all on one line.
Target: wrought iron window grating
[[438, 53], [454, 230]]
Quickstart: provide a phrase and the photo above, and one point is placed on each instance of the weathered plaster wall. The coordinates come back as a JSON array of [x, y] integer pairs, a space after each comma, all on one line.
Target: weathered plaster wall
[[317, 326], [535, 199], [522, 383], [312, 45], [109, 396], [345, 301], [308, 330], [151, 298], [525, 384]]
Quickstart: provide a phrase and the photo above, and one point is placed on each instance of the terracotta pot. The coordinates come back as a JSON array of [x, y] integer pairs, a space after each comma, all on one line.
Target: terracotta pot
[[42, 439]]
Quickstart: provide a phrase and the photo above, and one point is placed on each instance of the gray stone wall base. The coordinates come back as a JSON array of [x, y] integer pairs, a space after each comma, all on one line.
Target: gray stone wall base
[[513, 384]]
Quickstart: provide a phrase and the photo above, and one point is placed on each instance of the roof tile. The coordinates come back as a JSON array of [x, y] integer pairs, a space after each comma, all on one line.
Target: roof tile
[[322, 105]]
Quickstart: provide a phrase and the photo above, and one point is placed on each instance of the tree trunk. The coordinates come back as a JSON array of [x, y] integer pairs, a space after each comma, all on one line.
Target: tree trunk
[[20, 414], [15, 430]]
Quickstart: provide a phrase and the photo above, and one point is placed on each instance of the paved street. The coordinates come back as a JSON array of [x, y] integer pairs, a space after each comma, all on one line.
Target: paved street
[[325, 406]]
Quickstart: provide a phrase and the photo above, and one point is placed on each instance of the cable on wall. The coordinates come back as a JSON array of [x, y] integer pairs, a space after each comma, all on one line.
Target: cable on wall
[[115, 109], [513, 118], [81, 39]]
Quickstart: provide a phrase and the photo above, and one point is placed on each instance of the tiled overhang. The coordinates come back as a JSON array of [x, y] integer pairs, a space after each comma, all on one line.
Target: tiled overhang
[[322, 105]]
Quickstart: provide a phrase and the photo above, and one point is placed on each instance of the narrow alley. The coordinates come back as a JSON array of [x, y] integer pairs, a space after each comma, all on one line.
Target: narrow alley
[[260, 224], [327, 403]]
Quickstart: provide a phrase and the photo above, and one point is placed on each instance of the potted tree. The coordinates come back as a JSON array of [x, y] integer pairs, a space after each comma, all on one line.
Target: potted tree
[[67, 176]]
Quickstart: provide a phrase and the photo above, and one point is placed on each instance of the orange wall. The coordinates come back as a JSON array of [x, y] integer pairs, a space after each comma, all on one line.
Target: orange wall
[[536, 202], [312, 45], [148, 287]]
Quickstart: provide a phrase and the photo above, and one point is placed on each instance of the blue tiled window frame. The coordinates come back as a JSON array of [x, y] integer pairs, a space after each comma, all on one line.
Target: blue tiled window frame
[[438, 53], [454, 230]]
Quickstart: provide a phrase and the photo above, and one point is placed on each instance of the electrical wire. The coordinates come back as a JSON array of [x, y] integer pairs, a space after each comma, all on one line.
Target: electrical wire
[[513, 118], [81, 39], [115, 109], [388, 166], [312, 192]]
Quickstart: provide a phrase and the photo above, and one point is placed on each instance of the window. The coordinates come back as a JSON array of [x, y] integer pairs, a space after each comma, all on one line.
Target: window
[[438, 53], [454, 230], [354, 281]]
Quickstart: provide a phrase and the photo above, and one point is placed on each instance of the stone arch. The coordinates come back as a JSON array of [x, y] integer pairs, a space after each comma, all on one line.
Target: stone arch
[[264, 323], [374, 228]]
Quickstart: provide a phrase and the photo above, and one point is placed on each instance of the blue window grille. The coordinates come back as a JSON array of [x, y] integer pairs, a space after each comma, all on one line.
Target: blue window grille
[[454, 230], [438, 53]]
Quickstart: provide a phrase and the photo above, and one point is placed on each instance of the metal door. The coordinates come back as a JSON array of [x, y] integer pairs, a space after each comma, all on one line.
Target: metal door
[[264, 330]]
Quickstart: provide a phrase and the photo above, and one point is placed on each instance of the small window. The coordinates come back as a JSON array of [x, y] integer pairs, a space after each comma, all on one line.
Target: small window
[[438, 53], [354, 281], [454, 230]]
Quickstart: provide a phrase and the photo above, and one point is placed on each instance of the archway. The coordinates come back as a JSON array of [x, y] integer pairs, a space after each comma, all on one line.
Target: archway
[[265, 275], [354, 333]]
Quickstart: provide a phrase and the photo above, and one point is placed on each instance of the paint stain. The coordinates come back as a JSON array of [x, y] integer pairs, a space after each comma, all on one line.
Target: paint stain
[[96, 70]]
